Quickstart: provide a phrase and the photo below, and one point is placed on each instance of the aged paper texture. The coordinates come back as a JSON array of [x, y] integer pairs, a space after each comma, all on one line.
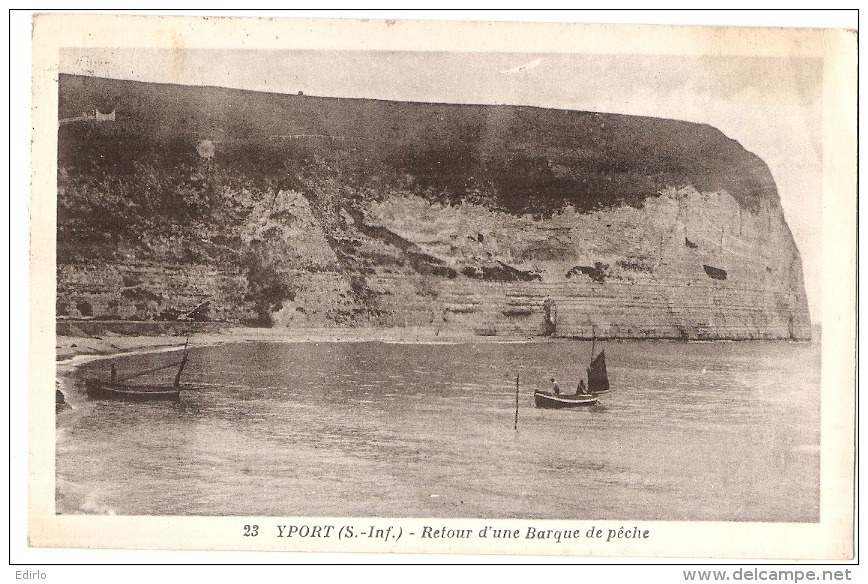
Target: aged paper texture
[[421, 252]]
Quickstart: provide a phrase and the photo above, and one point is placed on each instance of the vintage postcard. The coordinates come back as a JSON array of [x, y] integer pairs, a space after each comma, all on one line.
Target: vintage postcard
[[442, 287]]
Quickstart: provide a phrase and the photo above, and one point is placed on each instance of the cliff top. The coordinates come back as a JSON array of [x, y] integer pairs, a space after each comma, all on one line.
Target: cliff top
[[517, 158]]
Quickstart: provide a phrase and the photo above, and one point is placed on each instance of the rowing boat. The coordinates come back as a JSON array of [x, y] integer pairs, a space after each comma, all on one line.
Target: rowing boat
[[118, 389]]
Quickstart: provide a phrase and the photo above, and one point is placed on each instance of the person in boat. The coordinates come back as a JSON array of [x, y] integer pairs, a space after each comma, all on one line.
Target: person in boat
[[555, 387], [581, 389], [114, 372]]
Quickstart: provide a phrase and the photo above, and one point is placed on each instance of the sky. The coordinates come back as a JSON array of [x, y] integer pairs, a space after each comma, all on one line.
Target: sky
[[772, 106]]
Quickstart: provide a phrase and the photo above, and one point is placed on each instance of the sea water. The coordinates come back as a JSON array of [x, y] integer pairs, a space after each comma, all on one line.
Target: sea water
[[690, 431]]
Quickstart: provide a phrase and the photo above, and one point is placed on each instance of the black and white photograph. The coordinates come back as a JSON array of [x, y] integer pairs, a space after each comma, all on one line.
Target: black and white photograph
[[394, 286]]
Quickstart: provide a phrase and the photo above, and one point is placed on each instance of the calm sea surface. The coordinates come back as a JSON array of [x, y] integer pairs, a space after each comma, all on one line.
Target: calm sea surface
[[690, 431]]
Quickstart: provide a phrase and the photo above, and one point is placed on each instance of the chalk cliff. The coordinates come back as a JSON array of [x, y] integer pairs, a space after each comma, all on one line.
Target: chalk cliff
[[304, 211]]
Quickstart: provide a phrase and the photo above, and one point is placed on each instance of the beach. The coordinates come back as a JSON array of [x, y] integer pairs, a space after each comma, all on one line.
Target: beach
[[107, 344]]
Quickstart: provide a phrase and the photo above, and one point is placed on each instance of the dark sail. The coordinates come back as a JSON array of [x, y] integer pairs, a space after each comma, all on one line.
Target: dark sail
[[716, 273], [598, 378]]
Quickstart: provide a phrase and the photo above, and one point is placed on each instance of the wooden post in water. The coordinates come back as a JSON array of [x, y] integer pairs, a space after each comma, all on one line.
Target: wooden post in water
[[516, 402]]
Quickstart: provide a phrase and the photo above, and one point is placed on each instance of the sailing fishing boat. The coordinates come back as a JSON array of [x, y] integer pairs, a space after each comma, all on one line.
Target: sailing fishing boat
[[598, 383], [118, 389]]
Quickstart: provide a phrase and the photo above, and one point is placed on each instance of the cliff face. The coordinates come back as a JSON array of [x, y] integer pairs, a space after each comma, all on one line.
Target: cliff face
[[300, 211]]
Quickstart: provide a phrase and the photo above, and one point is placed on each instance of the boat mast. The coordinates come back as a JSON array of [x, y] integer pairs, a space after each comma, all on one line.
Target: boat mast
[[183, 362], [593, 341]]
